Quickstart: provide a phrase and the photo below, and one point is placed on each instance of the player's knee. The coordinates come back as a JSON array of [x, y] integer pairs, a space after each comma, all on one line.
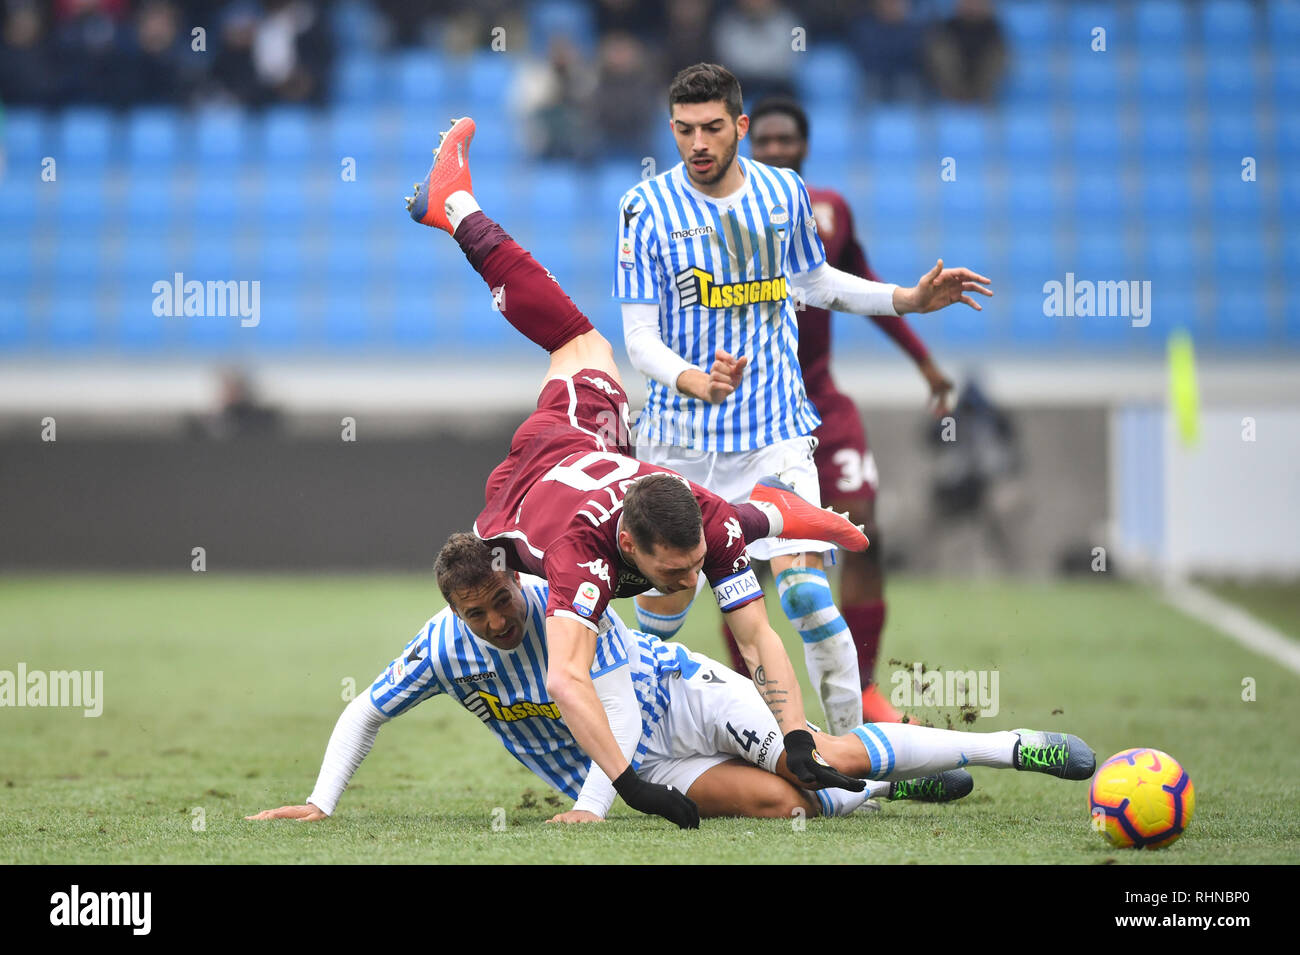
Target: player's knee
[[777, 799]]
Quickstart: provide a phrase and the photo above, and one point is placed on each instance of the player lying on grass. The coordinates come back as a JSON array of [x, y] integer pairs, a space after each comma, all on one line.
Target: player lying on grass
[[696, 725], [570, 504]]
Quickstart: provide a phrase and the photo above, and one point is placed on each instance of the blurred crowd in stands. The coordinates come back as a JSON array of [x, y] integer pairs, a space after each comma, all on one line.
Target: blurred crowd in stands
[[122, 53]]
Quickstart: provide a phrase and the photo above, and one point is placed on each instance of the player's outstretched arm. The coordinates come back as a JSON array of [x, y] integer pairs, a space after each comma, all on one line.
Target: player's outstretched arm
[[776, 682], [354, 734], [940, 288], [571, 648]]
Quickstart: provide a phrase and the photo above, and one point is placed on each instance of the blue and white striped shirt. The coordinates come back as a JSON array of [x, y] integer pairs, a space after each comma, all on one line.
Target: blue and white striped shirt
[[720, 271], [506, 689]]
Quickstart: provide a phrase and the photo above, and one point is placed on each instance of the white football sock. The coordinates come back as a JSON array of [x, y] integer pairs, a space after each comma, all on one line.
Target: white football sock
[[459, 205], [841, 802], [906, 751]]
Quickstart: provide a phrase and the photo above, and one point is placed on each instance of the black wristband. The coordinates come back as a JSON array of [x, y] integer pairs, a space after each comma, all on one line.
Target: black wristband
[[626, 780]]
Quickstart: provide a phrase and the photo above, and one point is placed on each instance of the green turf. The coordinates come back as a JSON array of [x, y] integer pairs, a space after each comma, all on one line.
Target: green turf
[[220, 693], [1274, 602]]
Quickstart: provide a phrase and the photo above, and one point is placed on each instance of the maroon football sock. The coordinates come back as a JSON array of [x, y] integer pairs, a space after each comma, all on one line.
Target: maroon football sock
[[530, 299], [866, 621], [754, 522]]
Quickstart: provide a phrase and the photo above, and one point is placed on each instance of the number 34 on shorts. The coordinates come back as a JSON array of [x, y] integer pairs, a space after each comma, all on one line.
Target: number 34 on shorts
[[855, 470]]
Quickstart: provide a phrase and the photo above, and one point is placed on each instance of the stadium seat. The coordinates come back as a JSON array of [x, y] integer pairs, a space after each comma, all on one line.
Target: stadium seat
[[1229, 79], [1161, 23], [151, 202], [1031, 79], [24, 135], [423, 79], [1095, 137], [1081, 18], [1030, 27], [966, 199], [828, 71], [72, 319], [351, 131], [1166, 196], [894, 135], [15, 321], [1240, 315], [1029, 135], [488, 77], [132, 324], [1235, 203], [1170, 253], [153, 138], [345, 316], [569, 19], [1162, 82], [86, 137], [355, 23], [289, 134], [1229, 22], [1289, 207], [1242, 254], [963, 134], [1031, 193], [1098, 193], [82, 200], [360, 79], [1286, 77], [832, 133], [221, 137], [1283, 28], [1166, 139], [894, 194]]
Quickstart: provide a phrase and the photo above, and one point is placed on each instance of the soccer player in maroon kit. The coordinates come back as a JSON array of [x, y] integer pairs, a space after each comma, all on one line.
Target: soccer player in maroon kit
[[570, 504], [846, 469]]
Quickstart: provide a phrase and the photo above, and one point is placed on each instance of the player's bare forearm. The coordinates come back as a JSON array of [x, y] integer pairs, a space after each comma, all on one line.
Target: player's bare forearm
[[571, 649], [773, 672]]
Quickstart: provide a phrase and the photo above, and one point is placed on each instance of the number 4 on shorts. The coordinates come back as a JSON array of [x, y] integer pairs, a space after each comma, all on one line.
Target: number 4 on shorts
[[748, 740]]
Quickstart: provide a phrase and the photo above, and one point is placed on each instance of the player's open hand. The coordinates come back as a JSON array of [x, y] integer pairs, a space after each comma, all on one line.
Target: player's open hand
[[725, 375], [941, 287], [807, 765], [575, 815], [306, 813]]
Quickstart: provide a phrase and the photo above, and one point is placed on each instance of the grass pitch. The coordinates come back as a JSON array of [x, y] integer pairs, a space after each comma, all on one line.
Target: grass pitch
[[220, 693]]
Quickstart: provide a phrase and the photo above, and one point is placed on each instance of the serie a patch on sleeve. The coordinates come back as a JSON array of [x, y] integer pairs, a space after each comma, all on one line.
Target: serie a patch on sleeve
[[731, 592]]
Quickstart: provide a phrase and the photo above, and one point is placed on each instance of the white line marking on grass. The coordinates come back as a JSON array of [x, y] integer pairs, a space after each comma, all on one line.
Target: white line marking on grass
[[1229, 619]]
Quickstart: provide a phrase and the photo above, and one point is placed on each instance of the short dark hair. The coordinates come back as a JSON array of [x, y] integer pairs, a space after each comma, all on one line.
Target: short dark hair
[[704, 83], [464, 563], [661, 510], [784, 105]]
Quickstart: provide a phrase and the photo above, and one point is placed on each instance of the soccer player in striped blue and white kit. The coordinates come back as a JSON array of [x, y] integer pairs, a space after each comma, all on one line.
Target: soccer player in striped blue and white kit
[[710, 254], [689, 723]]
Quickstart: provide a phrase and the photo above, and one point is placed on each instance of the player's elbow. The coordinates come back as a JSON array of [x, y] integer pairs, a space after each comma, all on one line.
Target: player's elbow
[[562, 684]]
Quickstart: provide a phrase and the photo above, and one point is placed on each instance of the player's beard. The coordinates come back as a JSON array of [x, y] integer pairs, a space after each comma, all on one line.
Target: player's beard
[[723, 166]]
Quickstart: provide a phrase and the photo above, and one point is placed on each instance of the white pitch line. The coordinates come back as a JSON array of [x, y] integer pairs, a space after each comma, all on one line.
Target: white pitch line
[[1231, 620]]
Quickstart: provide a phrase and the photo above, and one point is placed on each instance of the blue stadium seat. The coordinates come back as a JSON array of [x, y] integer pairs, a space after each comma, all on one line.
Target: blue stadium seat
[[1100, 254], [72, 321], [1242, 253], [423, 79], [351, 132], [289, 134], [1162, 82], [85, 136], [1240, 318], [1288, 137], [16, 262], [829, 71], [282, 322], [1029, 135], [357, 24], [1166, 139], [1095, 137], [1098, 193], [150, 202], [832, 133], [894, 135], [221, 137], [1289, 207], [1170, 254], [1233, 134], [1030, 27], [487, 80], [1035, 258], [1166, 195], [418, 319], [153, 137], [78, 261], [550, 193], [1031, 79], [82, 201], [1229, 79], [360, 79], [1229, 22], [561, 18], [346, 315], [1095, 79], [15, 321], [1284, 26], [132, 323], [1161, 23], [25, 135], [1235, 203], [895, 194], [1082, 17], [1286, 77], [283, 196], [964, 135], [965, 199], [1031, 194]]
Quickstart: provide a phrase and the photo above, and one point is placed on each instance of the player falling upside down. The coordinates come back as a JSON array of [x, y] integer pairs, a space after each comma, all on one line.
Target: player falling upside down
[[846, 469], [571, 505], [711, 254], [696, 726]]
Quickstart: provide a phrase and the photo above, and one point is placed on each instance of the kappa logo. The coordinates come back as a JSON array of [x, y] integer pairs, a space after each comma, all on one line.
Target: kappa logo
[[631, 211], [599, 569], [600, 383], [734, 533], [499, 297]]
